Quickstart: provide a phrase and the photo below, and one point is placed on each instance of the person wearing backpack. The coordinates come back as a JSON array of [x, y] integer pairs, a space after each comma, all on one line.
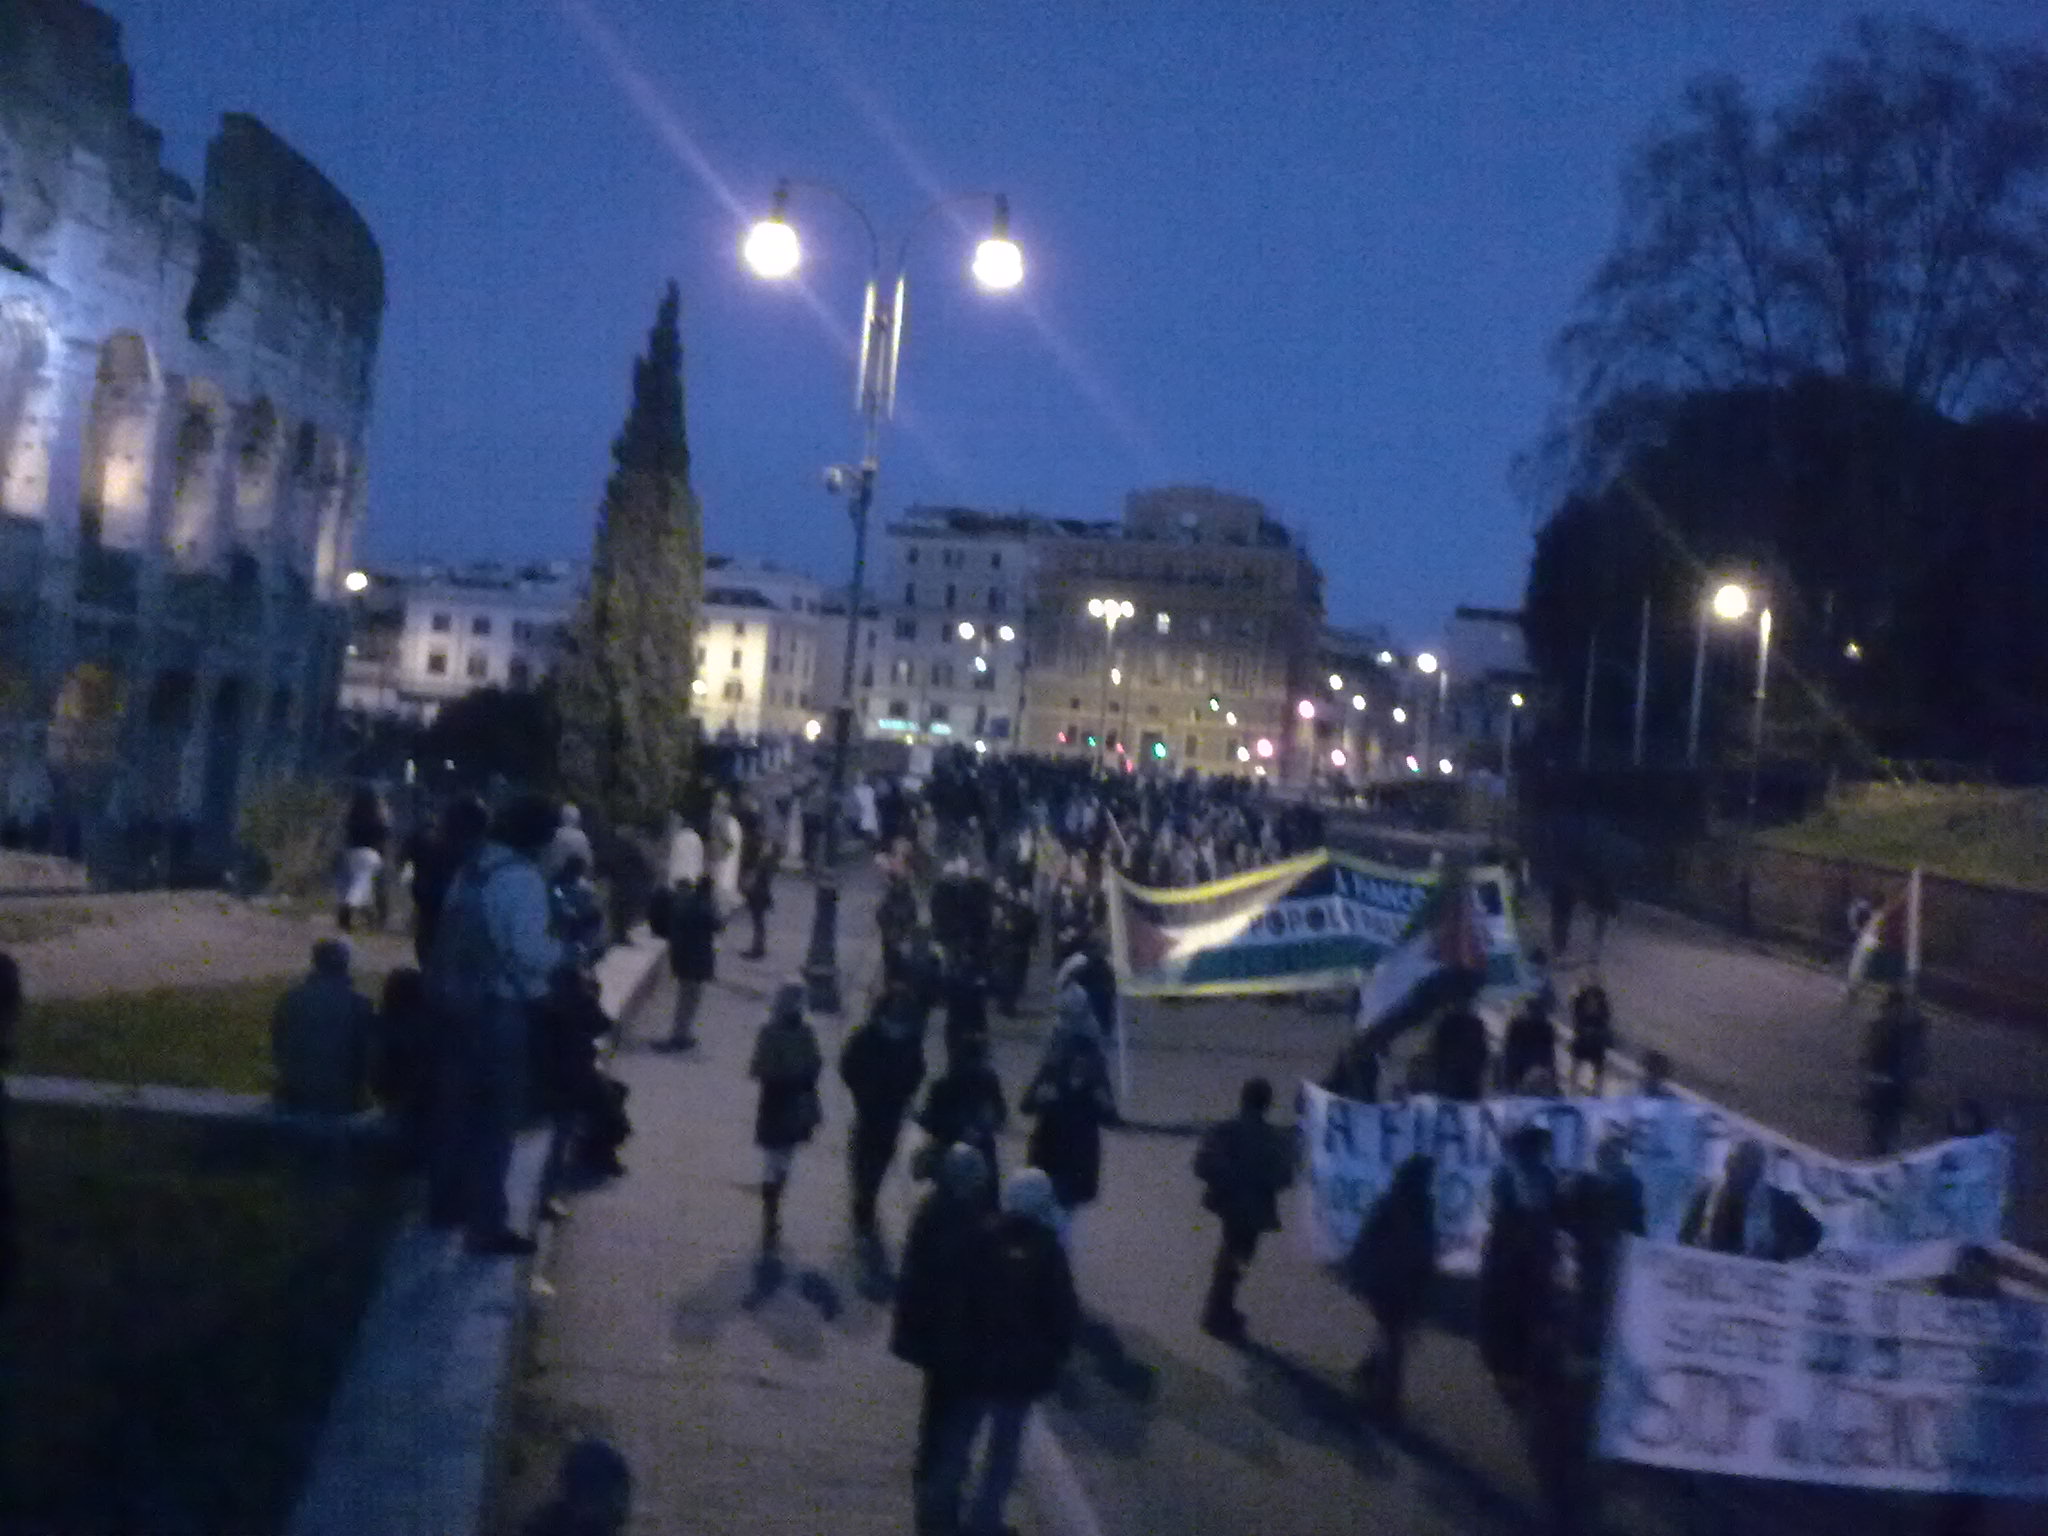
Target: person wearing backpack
[[786, 1064], [1243, 1165], [882, 1065], [1022, 1314], [1592, 1033], [1392, 1267], [494, 959]]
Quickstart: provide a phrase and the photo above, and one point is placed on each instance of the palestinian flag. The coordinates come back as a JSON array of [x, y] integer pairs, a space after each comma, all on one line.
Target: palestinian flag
[[1441, 959], [1887, 943]]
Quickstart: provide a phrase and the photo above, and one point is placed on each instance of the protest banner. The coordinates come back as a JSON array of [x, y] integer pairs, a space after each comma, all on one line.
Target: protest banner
[[1954, 1191], [1718, 1363], [1317, 920]]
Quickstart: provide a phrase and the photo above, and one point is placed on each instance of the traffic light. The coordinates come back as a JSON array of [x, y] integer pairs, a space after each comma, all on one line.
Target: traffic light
[[1093, 742], [1159, 749], [1214, 703]]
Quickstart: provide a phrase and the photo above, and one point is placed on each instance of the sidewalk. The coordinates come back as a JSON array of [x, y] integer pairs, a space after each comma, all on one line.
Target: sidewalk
[[741, 1405]]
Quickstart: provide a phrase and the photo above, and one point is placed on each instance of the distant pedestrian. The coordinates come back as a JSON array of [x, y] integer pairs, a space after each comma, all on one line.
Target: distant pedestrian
[[10, 1017], [1072, 1101], [570, 842], [1458, 1055], [1244, 1164], [683, 863], [321, 1033], [1597, 1210], [494, 958], [882, 1065], [1894, 1056], [786, 1064], [1592, 1035], [693, 925], [366, 836], [757, 892], [932, 1327], [1656, 1078], [1392, 1266], [1023, 1317], [1530, 1042], [1518, 1299], [965, 1104]]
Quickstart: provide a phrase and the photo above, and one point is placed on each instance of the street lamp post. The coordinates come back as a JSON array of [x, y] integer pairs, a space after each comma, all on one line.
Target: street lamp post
[[1730, 602], [1111, 611], [773, 251], [1756, 714], [1429, 666]]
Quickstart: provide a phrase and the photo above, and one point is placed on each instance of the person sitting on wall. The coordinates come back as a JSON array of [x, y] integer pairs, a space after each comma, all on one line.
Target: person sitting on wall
[[320, 1038]]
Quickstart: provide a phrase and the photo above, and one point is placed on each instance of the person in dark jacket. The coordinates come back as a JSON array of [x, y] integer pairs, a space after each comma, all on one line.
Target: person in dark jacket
[[1740, 1213], [1355, 1074], [916, 962], [786, 1064], [1518, 1300], [1530, 1043], [1016, 933], [1071, 1097], [966, 1008], [930, 1326], [757, 880], [1023, 1316], [1458, 1053], [1894, 1056], [966, 1103], [1243, 1165], [435, 854], [1597, 1210], [693, 925], [1393, 1267], [882, 1064], [1592, 1034]]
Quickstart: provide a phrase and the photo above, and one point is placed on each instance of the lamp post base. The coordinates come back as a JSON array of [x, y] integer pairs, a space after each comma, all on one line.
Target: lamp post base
[[821, 962]]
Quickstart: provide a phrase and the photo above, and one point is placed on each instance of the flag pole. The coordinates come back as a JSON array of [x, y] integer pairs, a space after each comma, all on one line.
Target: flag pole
[[1913, 934]]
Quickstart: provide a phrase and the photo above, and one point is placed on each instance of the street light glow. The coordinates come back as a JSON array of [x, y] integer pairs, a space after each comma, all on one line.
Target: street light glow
[[1358, 701], [1337, 758], [1426, 663], [1336, 682], [1116, 677], [981, 663], [1400, 715], [1386, 658], [998, 264], [812, 729], [1731, 601], [1853, 651], [966, 630], [1230, 717], [1244, 754], [772, 248], [1443, 765], [1306, 709], [1414, 766], [356, 581], [1265, 747], [1006, 634], [1517, 700]]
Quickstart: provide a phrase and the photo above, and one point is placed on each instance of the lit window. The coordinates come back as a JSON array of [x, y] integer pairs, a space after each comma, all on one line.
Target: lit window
[[1163, 622], [738, 657]]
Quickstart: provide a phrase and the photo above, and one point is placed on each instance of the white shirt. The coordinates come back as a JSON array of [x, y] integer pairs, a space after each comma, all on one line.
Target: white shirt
[[685, 857]]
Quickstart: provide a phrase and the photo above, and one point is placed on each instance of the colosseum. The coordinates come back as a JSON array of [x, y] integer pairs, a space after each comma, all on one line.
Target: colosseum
[[184, 390]]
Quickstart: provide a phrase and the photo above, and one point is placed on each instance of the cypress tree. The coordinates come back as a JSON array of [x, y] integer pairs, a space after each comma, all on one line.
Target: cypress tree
[[624, 682]]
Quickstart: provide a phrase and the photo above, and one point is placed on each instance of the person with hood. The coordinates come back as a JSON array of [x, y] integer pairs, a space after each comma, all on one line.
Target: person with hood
[[1072, 1100], [321, 1036], [570, 842], [1023, 1317], [882, 1064], [693, 925], [1392, 1266], [1518, 1300], [966, 1104], [1243, 1164], [1740, 1213], [494, 959], [929, 1328], [786, 1064]]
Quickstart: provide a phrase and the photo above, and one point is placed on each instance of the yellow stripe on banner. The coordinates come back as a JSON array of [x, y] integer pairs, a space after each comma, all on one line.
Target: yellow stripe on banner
[[1307, 981], [1384, 871], [1287, 869]]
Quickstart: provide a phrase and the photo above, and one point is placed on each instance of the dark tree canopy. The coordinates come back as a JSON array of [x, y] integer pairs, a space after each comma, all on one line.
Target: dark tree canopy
[[1887, 225], [496, 732], [624, 684]]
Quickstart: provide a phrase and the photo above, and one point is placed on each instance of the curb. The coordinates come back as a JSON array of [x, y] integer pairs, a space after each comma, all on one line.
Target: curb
[[411, 1438]]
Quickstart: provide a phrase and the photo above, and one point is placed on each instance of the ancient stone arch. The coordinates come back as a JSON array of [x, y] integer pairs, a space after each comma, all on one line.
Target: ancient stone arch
[[115, 471], [85, 721], [202, 456], [259, 452], [24, 359]]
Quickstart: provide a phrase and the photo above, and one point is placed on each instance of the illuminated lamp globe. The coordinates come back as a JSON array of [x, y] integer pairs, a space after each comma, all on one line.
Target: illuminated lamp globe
[[1731, 601], [772, 249], [812, 729], [1337, 757], [1400, 715], [1336, 682], [1006, 634], [966, 630], [1426, 663], [1265, 747], [998, 264], [356, 581], [1358, 701], [1306, 709]]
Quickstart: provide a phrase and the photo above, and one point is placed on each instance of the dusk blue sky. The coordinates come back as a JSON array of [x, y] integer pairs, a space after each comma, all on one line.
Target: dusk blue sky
[[1310, 251]]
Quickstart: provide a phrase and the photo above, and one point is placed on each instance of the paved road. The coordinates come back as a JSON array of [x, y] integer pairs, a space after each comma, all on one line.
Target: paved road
[[742, 1408], [1767, 1034]]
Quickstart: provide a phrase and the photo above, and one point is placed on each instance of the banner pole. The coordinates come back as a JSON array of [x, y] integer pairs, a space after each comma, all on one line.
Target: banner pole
[[1913, 933]]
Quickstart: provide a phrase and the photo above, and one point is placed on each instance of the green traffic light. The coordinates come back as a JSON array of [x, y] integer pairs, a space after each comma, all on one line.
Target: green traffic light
[[1092, 742], [1159, 749], [1214, 703]]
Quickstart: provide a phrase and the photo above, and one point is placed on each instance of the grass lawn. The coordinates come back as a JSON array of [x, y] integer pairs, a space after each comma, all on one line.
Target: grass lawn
[[185, 1305], [1994, 835], [193, 1037]]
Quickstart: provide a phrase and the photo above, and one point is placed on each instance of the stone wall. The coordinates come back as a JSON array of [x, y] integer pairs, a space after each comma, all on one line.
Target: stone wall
[[1982, 947], [184, 392]]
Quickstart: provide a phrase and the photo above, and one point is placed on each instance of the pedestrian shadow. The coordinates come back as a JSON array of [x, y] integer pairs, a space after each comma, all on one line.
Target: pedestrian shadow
[[792, 1304], [1144, 1384]]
